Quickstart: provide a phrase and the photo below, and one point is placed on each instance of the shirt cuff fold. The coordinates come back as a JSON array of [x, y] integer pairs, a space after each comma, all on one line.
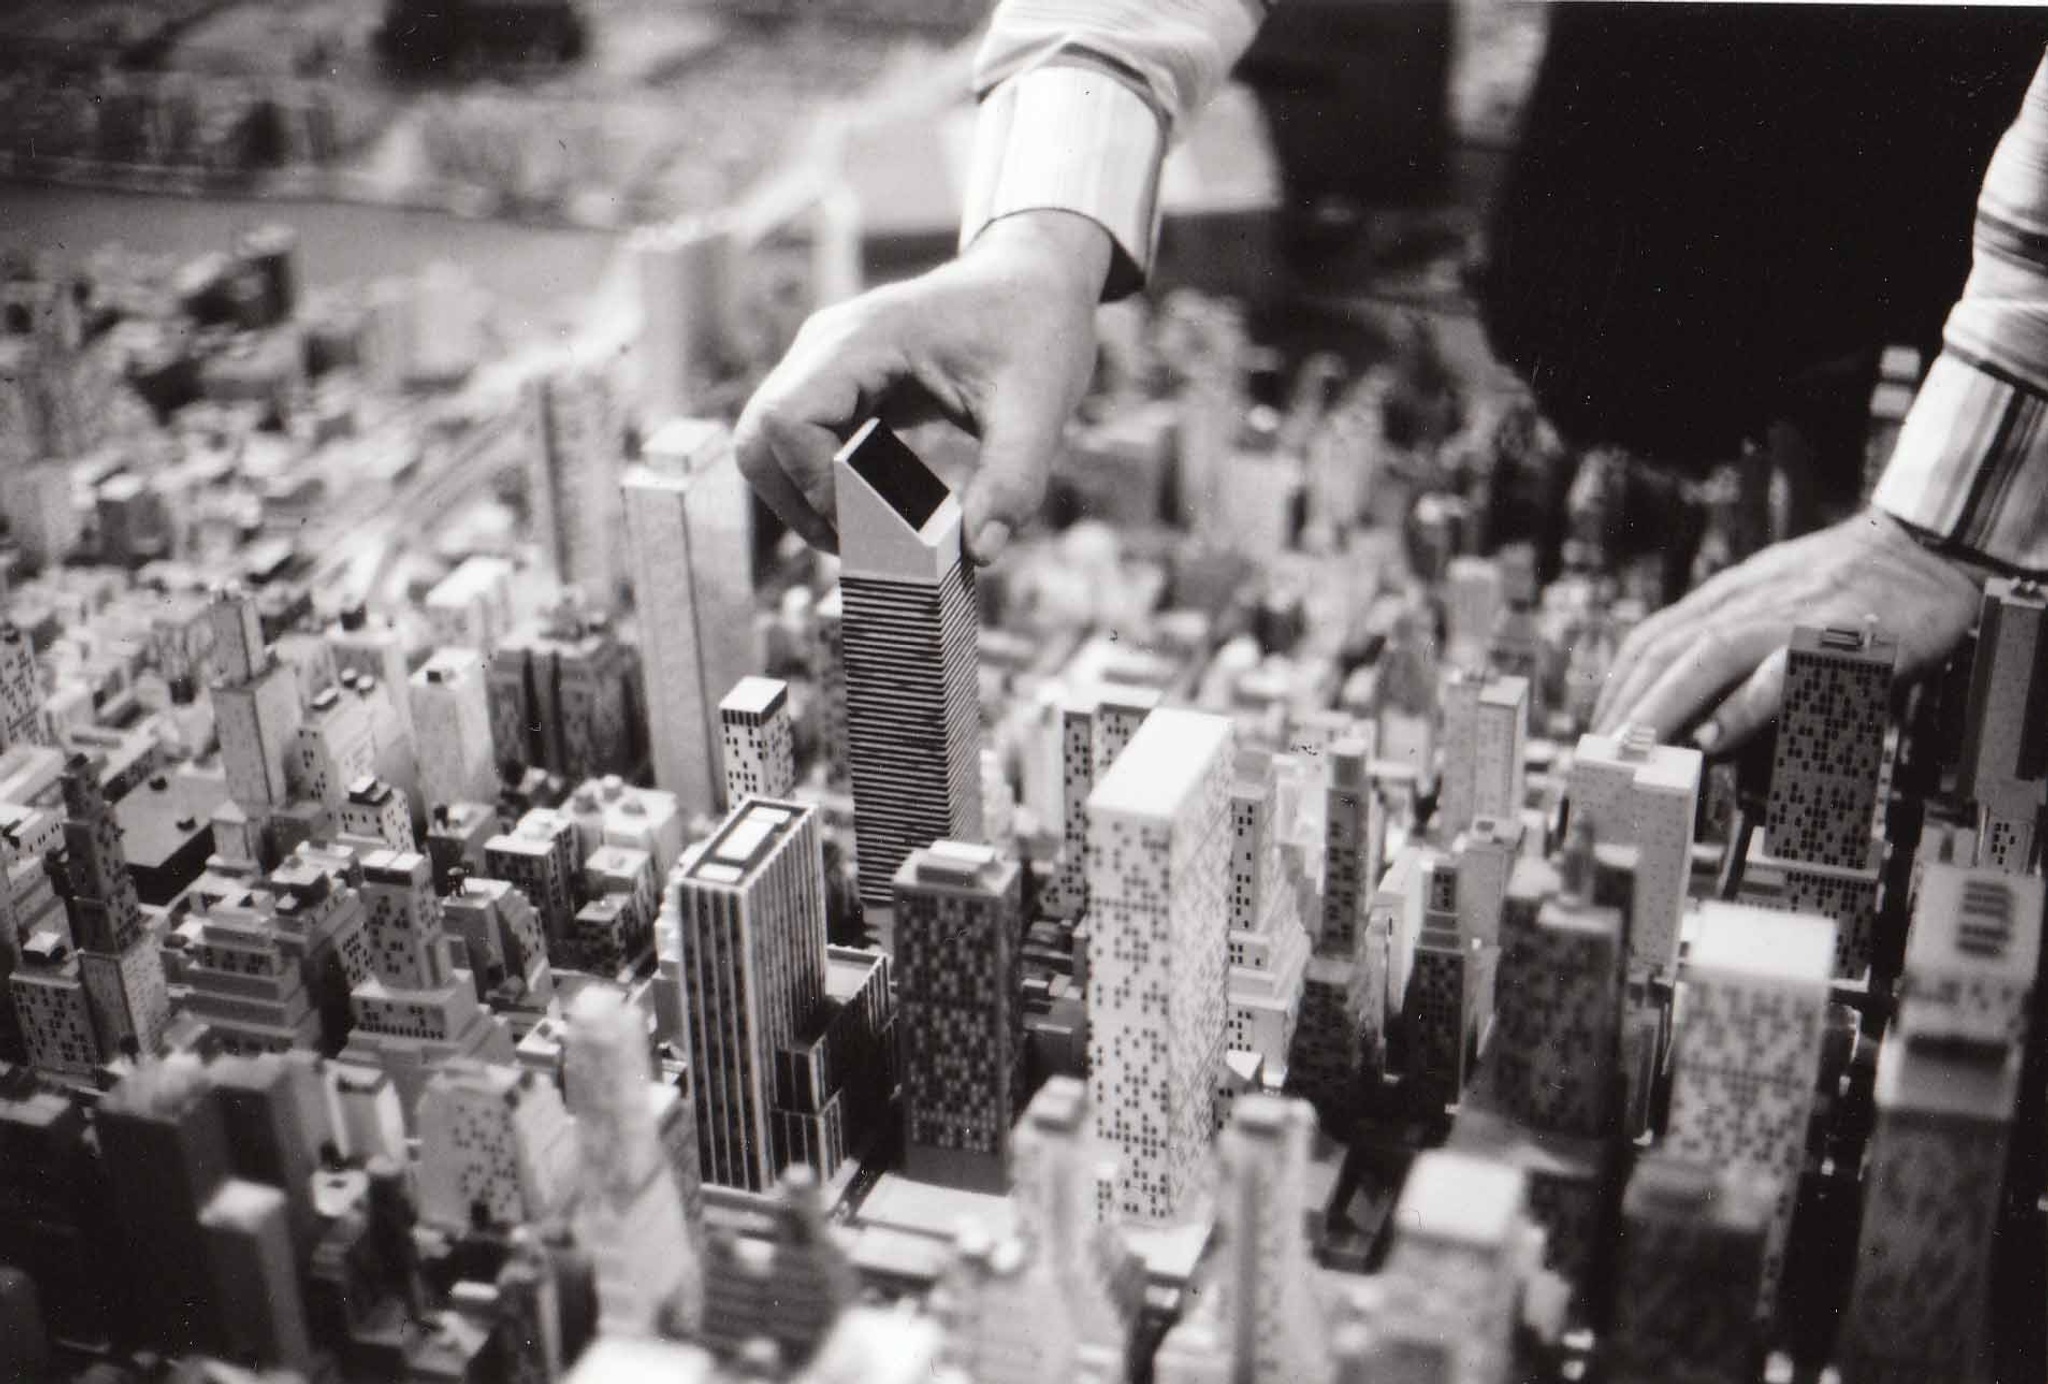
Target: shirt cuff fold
[[1070, 136], [1971, 465]]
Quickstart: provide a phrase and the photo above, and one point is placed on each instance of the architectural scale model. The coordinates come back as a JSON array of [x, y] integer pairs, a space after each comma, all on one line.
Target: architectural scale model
[[474, 907]]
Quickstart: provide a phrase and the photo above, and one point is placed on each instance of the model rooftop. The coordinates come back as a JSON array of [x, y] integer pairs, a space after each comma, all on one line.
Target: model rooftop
[[745, 839], [1165, 760], [895, 473], [756, 696], [1740, 940]]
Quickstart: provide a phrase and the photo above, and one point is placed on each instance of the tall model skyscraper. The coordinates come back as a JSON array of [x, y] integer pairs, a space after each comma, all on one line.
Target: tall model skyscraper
[[961, 1015], [119, 963], [1634, 792], [1158, 864], [1260, 1319], [1830, 751], [687, 546], [1824, 823], [1486, 723], [631, 1212], [1747, 1056], [751, 923], [1948, 1079], [2005, 738], [908, 645], [256, 705]]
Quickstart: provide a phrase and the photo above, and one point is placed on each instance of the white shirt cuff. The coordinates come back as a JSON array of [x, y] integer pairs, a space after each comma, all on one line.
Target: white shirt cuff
[[1072, 137]]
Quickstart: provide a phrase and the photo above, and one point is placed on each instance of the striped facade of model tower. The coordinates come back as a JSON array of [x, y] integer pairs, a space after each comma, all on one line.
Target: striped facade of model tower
[[751, 928], [908, 651], [1158, 868]]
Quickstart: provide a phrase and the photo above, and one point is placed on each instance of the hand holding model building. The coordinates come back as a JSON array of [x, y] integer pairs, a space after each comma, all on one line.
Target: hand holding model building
[[1000, 341]]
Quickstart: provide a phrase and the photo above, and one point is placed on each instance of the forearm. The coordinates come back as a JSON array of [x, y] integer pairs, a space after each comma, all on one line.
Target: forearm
[[1970, 470], [1080, 101]]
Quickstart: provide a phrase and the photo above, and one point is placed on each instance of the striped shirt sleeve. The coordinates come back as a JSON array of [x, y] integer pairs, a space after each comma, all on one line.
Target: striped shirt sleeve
[[1971, 464], [1079, 102]]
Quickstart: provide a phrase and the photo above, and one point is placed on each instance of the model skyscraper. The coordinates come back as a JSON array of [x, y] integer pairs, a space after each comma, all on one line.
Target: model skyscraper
[[2004, 768], [1948, 1081], [908, 647], [1259, 1318], [1824, 824], [1158, 860], [1634, 792], [758, 740], [118, 961], [687, 546], [752, 934], [1748, 1052], [956, 927], [630, 1212]]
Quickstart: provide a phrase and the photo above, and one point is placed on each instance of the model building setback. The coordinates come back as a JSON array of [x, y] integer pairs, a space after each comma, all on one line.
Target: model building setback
[[477, 905]]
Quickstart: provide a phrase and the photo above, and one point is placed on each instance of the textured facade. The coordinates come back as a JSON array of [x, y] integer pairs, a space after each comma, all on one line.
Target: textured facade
[[751, 925], [957, 929], [908, 645], [1831, 754], [1557, 1042], [693, 586], [1748, 1052], [1158, 863]]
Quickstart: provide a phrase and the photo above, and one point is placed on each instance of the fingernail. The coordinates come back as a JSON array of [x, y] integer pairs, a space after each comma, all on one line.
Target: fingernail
[[1707, 736], [990, 540]]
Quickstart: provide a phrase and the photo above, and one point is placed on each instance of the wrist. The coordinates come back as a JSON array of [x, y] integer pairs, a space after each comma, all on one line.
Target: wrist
[[1073, 250], [1973, 567]]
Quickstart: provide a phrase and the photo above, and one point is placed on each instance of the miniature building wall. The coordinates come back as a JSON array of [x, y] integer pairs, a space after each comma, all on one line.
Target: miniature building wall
[[1158, 853]]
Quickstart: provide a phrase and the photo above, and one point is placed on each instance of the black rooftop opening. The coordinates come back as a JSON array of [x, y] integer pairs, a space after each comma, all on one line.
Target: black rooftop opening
[[879, 457]]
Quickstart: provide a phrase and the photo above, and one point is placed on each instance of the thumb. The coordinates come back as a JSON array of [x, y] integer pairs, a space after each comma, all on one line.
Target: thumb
[[1746, 710], [1019, 436]]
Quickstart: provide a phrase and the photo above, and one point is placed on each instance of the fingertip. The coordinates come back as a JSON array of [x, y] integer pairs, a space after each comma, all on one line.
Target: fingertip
[[988, 542]]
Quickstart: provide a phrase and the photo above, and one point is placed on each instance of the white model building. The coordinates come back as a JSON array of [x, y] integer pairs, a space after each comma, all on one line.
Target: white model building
[[1056, 1172], [572, 417], [451, 716], [414, 1011], [1259, 1318], [1747, 1054], [1158, 865], [1486, 729], [683, 273], [1463, 1249], [255, 704], [493, 1139], [630, 1212], [1634, 792], [692, 572], [471, 607], [908, 649], [758, 741]]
